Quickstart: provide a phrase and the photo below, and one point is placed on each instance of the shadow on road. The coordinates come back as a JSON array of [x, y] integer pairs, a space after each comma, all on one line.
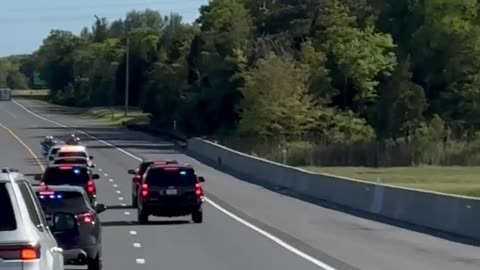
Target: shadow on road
[[150, 223]]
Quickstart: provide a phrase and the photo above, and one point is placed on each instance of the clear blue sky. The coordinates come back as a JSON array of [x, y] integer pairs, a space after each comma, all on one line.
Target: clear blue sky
[[25, 23]]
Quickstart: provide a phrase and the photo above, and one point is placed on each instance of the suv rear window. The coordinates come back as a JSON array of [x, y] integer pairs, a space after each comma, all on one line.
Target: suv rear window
[[164, 178], [72, 175], [70, 161], [7, 222], [67, 201], [72, 154]]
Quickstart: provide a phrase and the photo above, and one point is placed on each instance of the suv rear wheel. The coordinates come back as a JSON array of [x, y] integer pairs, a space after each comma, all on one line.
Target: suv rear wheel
[[142, 217], [95, 263], [197, 216]]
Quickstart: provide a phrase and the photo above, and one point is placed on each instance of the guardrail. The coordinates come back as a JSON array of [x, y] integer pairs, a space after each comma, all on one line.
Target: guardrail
[[447, 213], [30, 93]]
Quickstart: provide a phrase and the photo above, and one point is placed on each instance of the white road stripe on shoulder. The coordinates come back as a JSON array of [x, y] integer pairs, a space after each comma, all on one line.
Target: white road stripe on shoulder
[[268, 235]]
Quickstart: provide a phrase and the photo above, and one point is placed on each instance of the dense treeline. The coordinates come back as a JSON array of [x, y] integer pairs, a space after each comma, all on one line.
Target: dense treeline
[[399, 79], [11, 74]]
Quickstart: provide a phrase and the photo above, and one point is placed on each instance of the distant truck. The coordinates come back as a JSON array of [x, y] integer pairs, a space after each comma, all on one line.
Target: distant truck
[[5, 94]]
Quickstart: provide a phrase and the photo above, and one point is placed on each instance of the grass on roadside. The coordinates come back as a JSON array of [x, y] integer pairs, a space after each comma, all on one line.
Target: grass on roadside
[[453, 180], [115, 115]]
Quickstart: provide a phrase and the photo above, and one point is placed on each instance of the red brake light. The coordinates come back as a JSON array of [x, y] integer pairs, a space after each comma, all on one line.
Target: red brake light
[[171, 169], [144, 190], [198, 190], [91, 187], [65, 167], [20, 252], [85, 218]]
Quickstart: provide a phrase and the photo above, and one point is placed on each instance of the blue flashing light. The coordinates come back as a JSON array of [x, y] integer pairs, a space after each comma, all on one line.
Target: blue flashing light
[[76, 171], [59, 196], [183, 173]]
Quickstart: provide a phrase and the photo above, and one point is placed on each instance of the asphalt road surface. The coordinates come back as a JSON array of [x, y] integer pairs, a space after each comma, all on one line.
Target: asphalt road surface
[[245, 226]]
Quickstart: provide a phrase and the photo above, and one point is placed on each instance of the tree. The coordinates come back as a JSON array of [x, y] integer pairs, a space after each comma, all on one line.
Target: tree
[[276, 101]]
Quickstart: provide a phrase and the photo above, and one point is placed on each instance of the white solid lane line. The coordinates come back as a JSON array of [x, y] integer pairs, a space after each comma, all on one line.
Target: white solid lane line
[[273, 238]]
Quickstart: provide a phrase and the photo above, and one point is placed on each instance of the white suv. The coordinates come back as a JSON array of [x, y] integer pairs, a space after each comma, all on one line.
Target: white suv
[[26, 241]]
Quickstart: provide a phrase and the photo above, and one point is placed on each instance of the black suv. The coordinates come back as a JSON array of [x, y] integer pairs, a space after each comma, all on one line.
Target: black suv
[[140, 170], [83, 245], [75, 175], [170, 190]]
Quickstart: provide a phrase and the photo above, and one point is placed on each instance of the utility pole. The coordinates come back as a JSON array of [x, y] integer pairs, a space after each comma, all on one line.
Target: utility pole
[[127, 64]]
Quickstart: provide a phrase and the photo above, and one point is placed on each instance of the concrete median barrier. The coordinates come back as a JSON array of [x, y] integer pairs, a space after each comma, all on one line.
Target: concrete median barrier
[[451, 214]]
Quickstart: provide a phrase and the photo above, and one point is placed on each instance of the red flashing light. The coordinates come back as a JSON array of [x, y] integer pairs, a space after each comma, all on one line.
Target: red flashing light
[[198, 190], [85, 218], [144, 190], [91, 187], [171, 169]]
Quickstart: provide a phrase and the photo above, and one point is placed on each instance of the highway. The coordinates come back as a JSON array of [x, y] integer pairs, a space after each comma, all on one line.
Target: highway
[[245, 226]]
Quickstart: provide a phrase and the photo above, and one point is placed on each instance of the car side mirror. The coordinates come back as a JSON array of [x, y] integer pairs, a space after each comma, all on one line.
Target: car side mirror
[[95, 176], [63, 222], [131, 171], [90, 157], [99, 208], [201, 179], [37, 177]]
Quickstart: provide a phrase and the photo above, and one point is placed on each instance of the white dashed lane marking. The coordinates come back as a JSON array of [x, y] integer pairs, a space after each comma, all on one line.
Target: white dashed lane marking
[[111, 180], [120, 198], [136, 245], [127, 213], [118, 191], [124, 204], [99, 170], [140, 261], [115, 185], [106, 174], [133, 232]]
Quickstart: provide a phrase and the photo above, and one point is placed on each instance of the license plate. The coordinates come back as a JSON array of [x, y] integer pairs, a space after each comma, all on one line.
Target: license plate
[[171, 191]]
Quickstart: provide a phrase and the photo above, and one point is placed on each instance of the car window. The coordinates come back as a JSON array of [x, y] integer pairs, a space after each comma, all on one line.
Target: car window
[[32, 210], [72, 154], [63, 201], [70, 175], [54, 151], [7, 222], [70, 161], [143, 167], [163, 178]]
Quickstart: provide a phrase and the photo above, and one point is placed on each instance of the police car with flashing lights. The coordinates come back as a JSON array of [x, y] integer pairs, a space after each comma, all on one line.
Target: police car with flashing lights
[[74, 175], [170, 190], [82, 244]]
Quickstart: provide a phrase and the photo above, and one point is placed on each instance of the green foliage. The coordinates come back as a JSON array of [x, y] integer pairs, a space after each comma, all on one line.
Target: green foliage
[[299, 73]]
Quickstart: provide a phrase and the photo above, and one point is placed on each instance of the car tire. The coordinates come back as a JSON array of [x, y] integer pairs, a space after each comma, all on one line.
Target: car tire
[[197, 216], [134, 201], [95, 263], [142, 217]]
